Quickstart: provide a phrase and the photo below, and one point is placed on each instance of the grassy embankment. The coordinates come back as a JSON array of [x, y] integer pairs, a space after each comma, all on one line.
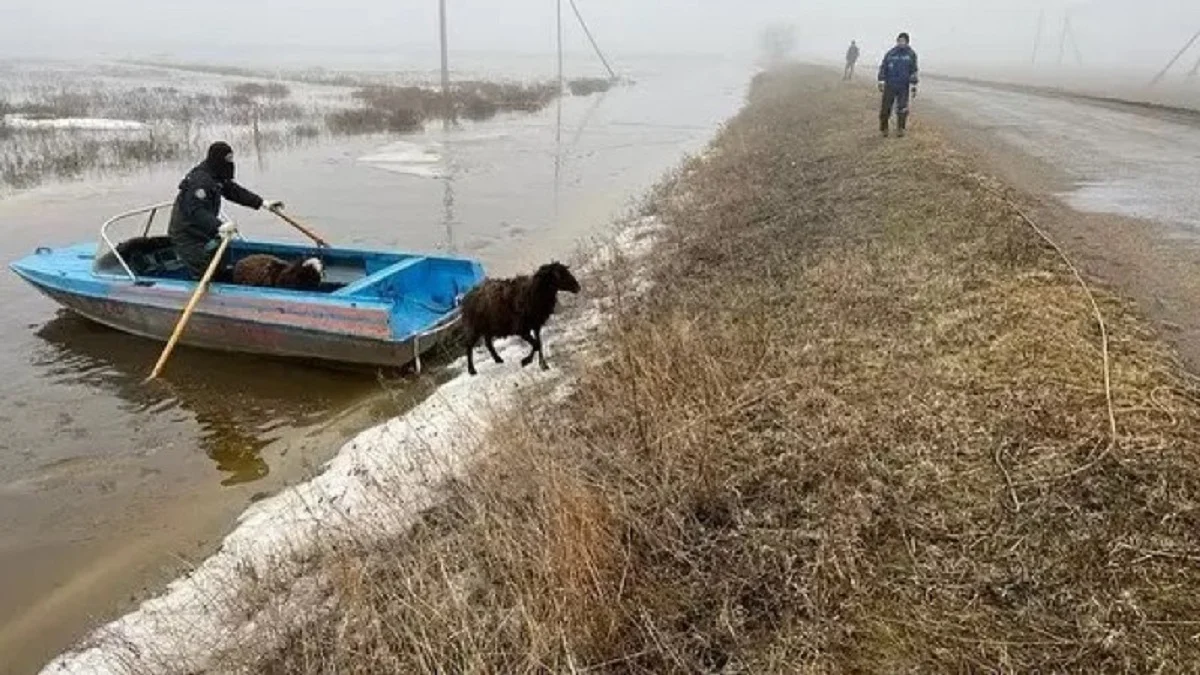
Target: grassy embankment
[[859, 423]]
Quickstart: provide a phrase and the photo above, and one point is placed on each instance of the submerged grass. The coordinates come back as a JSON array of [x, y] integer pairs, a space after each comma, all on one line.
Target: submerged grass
[[403, 109], [178, 124], [182, 120], [857, 424]]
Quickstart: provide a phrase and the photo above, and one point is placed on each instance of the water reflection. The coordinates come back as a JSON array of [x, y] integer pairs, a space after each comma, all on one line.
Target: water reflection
[[240, 403], [559, 154], [448, 220]]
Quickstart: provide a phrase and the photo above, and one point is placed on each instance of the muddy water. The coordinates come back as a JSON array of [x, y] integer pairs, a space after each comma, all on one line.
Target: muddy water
[[108, 486]]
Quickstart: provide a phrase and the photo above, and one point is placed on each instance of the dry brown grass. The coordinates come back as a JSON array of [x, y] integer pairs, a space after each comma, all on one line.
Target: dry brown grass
[[858, 425]]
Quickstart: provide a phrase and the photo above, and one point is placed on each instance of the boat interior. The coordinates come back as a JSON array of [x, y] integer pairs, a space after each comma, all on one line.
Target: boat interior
[[365, 274]]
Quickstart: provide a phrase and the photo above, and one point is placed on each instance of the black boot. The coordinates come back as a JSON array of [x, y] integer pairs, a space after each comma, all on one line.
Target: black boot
[[883, 126], [902, 124]]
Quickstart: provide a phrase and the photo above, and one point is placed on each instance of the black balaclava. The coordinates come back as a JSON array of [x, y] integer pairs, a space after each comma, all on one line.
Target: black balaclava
[[904, 36], [220, 160]]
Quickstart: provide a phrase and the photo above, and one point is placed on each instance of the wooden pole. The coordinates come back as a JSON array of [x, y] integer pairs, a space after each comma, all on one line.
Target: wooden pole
[[447, 104], [558, 19], [1178, 55], [307, 232], [191, 306]]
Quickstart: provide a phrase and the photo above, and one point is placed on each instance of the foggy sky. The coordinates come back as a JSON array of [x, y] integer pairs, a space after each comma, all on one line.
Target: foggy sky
[[1114, 33]]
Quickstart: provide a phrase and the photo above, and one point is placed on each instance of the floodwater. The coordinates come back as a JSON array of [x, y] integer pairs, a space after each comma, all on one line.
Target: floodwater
[[108, 485], [1136, 164]]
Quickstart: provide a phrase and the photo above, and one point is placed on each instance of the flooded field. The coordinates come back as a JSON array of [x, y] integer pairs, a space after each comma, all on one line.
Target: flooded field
[[108, 485]]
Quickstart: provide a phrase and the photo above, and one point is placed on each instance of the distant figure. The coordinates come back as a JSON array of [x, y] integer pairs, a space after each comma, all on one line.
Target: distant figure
[[897, 79], [851, 60], [196, 227]]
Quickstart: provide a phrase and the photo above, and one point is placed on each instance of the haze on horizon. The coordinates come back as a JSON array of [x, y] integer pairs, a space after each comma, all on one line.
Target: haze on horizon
[[1110, 34]]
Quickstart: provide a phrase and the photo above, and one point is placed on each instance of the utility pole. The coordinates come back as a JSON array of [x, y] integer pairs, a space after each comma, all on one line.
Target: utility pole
[[1062, 39], [558, 19], [447, 104], [1075, 48], [1037, 40], [1178, 55]]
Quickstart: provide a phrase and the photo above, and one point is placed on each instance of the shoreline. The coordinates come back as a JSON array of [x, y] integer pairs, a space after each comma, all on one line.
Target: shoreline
[[347, 497], [823, 409], [858, 421], [601, 169]]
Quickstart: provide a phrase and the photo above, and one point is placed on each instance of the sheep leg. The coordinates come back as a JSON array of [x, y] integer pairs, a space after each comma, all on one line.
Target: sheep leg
[[471, 341], [533, 344], [537, 334], [487, 340]]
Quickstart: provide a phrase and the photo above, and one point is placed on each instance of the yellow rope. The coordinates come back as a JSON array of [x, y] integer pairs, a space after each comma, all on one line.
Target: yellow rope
[[1107, 363], [1108, 395]]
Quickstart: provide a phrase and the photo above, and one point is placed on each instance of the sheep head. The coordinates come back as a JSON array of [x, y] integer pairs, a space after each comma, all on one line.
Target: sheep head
[[305, 275], [558, 276]]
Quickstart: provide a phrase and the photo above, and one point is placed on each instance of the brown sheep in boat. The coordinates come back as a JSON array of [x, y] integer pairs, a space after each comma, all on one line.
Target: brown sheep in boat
[[262, 269]]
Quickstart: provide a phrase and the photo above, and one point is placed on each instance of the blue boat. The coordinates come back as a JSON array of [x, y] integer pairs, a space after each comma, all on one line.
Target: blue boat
[[374, 308]]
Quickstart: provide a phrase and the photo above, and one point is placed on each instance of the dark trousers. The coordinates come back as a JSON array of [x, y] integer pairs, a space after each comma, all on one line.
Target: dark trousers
[[849, 73], [894, 97], [195, 254]]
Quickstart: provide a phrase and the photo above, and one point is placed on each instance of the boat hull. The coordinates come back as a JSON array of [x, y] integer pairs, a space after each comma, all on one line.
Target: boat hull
[[393, 308], [224, 333]]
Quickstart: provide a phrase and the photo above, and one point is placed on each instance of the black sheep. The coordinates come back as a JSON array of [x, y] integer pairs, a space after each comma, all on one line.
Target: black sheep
[[262, 269], [518, 306]]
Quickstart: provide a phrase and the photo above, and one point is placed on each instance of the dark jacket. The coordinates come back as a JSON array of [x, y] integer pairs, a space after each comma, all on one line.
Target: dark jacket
[[194, 216], [852, 54], [899, 68]]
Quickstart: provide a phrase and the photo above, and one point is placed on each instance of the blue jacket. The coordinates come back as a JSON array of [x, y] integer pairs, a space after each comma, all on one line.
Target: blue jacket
[[899, 67]]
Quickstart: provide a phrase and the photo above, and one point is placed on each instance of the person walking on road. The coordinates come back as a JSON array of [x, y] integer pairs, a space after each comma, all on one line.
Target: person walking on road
[[851, 60], [898, 78]]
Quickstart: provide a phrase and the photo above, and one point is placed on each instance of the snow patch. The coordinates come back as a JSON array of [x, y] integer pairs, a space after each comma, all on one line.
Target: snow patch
[[73, 123]]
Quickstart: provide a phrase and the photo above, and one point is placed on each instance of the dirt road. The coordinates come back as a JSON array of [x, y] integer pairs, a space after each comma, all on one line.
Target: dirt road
[[1116, 186]]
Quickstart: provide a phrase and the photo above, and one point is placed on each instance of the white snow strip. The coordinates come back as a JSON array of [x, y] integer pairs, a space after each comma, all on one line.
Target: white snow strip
[[205, 614], [73, 123]]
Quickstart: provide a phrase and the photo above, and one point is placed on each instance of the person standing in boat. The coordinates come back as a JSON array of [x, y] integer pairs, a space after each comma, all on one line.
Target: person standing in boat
[[196, 227]]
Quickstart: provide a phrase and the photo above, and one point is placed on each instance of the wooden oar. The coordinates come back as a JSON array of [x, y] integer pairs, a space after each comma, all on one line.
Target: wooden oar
[[191, 306], [309, 233]]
